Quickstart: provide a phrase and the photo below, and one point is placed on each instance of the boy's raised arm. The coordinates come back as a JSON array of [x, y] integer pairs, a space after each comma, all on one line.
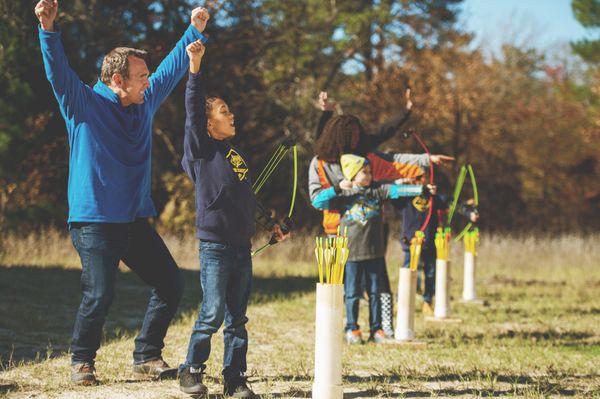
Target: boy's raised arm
[[196, 138]]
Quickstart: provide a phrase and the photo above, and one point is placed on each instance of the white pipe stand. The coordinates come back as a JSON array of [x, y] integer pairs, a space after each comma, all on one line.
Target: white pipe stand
[[405, 313], [328, 342], [442, 298], [441, 310], [469, 295]]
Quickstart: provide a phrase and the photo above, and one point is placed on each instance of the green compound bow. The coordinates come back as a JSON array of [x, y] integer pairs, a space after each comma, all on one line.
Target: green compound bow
[[280, 152]]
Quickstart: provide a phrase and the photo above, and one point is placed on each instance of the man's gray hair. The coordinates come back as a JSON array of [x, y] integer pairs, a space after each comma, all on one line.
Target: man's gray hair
[[117, 61]]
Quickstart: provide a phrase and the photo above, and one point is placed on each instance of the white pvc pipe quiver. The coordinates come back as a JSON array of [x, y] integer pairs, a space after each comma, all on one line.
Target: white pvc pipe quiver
[[469, 278], [405, 314], [442, 289], [328, 342]]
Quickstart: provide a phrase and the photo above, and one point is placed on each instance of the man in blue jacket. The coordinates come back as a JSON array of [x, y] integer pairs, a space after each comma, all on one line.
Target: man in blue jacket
[[110, 142]]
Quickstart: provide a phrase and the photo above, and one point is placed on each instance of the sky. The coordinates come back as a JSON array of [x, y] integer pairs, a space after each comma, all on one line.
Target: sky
[[544, 24]]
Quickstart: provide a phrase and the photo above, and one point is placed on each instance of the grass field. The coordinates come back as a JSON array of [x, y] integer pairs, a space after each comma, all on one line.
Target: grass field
[[538, 337]]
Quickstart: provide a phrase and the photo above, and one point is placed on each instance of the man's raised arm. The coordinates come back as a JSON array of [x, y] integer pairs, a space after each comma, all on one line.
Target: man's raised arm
[[69, 90], [173, 66]]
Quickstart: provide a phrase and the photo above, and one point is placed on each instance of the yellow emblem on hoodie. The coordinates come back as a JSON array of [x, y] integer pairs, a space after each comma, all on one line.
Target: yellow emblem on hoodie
[[238, 164], [420, 203]]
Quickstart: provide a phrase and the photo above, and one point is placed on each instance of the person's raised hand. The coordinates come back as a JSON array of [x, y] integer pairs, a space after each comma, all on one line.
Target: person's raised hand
[[200, 17], [195, 51], [46, 11], [409, 103], [324, 103], [440, 159]]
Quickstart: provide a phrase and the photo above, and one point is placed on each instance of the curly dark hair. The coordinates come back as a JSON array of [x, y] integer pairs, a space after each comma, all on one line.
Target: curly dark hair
[[343, 134]]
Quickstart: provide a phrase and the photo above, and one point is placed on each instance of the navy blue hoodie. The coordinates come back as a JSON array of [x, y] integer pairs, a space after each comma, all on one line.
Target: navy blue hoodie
[[226, 207], [414, 212]]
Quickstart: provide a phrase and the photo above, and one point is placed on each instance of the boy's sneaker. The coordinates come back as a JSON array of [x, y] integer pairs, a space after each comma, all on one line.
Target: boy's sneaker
[[190, 381], [237, 387], [427, 309], [83, 374], [353, 337], [379, 337]]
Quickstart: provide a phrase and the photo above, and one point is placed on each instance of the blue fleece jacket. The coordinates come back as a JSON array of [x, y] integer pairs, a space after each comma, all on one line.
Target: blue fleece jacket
[[226, 208], [109, 145]]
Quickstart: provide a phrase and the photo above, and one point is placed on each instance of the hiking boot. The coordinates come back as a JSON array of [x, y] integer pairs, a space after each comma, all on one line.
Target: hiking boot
[[190, 381], [378, 337], [427, 309], [83, 374], [353, 337], [156, 369], [237, 387]]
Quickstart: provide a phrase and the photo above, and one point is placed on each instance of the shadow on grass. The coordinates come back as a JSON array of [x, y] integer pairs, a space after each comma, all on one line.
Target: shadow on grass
[[548, 336], [449, 392], [38, 305], [7, 387], [522, 385]]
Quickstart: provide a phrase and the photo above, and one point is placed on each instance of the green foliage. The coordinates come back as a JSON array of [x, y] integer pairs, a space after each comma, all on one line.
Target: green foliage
[[524, 124], [587, 12]]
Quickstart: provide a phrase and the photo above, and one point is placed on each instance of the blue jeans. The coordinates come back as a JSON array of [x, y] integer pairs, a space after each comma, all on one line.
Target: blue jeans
[[428, 261], [372, 269], [226, 279], [101, 246]]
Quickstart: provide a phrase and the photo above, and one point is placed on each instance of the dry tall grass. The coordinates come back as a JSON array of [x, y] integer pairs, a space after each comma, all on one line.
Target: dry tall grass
[[52, 247]]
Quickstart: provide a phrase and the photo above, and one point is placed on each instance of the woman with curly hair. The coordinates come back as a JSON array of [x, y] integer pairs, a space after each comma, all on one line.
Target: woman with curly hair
[[344, 134]]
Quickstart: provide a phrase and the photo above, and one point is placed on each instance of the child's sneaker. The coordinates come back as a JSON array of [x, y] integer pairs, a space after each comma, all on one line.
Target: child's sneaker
[[190, 381], [353, 337], [237, 387], [379, 337], [427, 309]]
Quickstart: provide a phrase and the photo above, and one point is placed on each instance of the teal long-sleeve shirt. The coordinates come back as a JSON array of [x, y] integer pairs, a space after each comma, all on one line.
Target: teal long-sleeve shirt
[[361, 214], [381, 192], [110, 145]]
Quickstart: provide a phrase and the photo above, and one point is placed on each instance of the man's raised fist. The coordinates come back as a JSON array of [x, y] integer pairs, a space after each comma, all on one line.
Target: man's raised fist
[[200, 17], [45, 11]]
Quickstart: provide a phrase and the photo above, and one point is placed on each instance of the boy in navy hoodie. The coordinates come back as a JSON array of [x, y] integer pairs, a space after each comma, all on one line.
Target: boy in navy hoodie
[[226, 211]]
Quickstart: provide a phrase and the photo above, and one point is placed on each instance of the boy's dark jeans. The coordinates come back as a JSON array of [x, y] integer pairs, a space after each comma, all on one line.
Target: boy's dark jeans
[[226, 279], [372, 269], [428, 261], [101, 246]]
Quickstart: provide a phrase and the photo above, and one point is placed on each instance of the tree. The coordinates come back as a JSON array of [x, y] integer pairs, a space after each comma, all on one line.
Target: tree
[[587, 12]]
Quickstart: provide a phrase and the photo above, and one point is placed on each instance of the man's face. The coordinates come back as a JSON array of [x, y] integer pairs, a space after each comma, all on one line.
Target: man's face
[[134, 85], [221, 124], [364, 177]]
